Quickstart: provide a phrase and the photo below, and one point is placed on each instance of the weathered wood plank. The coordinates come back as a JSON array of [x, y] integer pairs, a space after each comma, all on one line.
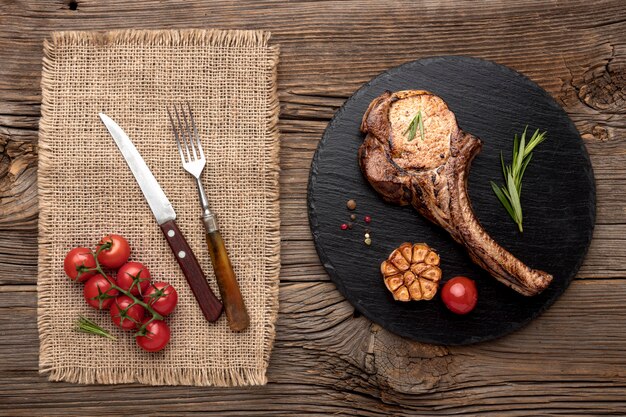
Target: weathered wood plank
[[346, 358], [326, 361]]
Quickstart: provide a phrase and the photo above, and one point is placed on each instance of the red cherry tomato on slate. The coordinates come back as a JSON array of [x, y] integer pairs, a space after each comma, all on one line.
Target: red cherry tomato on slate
[[162, 297], [133, 277], [98, 292], [117, 254], [156, 338], [128, 318], [77, 262], [460, 295]]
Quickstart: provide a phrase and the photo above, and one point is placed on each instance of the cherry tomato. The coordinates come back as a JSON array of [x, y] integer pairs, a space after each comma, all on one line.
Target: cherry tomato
[[98, 292], [125, 316], [157, 335], [133, 277], [117, 254], [162, 297], [460, 295], [77, 263]]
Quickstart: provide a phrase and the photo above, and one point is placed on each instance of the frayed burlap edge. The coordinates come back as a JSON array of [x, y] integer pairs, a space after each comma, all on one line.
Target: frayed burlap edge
[[180, 37], [200, 377]]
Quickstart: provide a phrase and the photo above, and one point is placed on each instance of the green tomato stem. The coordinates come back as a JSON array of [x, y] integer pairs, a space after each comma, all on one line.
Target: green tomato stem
[[155, 315]]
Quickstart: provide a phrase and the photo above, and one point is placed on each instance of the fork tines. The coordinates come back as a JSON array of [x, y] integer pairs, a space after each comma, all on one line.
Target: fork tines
[[185, 135]]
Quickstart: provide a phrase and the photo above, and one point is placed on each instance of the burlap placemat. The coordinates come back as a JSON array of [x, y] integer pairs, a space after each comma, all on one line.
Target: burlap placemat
[[86, 191]]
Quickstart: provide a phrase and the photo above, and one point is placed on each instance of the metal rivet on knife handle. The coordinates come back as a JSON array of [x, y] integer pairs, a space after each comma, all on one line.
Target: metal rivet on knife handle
[[209, 304]]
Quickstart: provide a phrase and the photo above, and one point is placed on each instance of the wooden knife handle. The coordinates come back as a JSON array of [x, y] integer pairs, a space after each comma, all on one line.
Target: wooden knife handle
[[209, 304], [236, 312]]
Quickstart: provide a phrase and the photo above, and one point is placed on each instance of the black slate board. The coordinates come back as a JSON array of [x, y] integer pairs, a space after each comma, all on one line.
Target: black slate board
[[493, 102]]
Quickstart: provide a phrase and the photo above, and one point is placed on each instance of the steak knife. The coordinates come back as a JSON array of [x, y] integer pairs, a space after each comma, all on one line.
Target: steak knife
[[166, 218]]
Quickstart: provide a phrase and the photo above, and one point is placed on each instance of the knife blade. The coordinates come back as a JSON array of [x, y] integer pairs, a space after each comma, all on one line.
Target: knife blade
[[166, 219], [156, 198]]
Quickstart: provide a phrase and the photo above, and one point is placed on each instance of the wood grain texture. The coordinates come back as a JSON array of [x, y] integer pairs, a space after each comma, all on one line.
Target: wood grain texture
[[326, 361]]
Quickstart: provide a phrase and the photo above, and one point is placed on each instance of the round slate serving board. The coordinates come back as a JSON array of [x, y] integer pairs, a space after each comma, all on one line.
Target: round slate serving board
[[493, 102]]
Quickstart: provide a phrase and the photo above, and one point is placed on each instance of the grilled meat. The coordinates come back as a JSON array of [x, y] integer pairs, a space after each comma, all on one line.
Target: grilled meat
[[430, 173]]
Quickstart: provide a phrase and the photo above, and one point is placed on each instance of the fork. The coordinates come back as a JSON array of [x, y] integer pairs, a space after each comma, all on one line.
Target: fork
[[192, 157]]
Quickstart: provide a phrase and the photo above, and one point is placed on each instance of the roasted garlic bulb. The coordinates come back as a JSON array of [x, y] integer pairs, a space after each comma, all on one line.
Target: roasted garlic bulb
[[412, 272]]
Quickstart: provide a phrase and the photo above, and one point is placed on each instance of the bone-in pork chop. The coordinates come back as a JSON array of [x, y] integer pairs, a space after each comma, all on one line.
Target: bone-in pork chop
[[430, 173]]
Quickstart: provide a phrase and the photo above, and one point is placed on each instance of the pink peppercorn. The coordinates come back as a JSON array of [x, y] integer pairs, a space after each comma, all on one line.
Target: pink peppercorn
[[344, 226], [368, 219]]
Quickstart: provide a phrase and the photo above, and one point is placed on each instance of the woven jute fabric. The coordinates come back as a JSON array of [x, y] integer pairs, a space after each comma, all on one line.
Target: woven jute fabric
[[86, 190]]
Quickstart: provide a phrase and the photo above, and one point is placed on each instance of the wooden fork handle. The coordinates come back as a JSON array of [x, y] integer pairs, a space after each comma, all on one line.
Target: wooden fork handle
[[234, 306], [208, 302]]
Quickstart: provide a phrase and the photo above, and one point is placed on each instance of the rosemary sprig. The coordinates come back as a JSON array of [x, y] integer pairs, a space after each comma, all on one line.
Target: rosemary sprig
[[510, 194], [418, 121], [85, 325]]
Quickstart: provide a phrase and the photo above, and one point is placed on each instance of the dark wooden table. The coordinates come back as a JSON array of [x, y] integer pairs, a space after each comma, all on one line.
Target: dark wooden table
[[327, 360]]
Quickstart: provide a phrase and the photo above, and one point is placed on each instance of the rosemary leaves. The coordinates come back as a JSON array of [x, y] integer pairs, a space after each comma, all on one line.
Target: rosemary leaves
[[84, 325], [510, 193], [418, 121]]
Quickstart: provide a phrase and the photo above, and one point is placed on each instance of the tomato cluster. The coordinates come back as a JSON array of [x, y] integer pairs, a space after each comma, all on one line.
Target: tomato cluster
[[133, 300]]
